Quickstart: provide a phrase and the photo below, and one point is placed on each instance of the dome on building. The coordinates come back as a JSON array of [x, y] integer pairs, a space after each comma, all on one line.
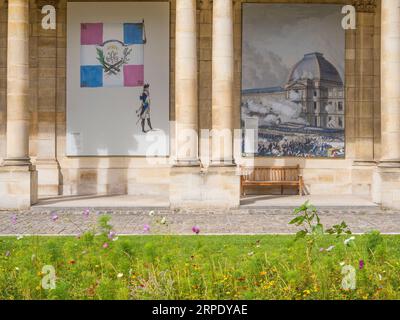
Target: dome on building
[[314, 66]]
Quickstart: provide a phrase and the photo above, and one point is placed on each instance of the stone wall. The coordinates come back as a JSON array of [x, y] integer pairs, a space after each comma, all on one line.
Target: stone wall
[[59, 174]]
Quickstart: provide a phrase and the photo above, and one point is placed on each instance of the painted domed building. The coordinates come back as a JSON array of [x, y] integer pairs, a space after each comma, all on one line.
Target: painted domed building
[[316, 84]]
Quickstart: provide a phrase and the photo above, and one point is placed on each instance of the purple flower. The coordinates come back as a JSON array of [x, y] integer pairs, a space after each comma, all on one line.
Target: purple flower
[[196, 229], [13, 219], [361, 264], [146, 228], [86, 213], [54, 217], [111, 235]]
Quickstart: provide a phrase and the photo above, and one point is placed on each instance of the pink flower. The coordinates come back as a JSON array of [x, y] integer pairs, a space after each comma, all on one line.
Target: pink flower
[[54, 217], [196, 229], [86, 213], [105, 245], [361, 264], [146, 228], [13, 219]]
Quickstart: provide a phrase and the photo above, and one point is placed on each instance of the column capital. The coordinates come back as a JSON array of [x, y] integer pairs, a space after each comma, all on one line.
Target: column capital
[[367, 6]]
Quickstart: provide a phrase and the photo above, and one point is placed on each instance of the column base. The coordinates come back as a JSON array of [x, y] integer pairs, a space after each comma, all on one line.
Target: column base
[[389, 163], [18, 186], [48, 177], [222, 163], [17, 162], [212, 187], [362, 177], [386, 185], [187, 163], [364, 163]]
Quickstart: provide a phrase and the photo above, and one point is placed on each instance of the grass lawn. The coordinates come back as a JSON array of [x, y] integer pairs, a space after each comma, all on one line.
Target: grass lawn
[[199, 267]]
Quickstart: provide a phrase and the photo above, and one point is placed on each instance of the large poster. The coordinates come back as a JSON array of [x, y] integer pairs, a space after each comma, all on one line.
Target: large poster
[[118, 79], [293, 59]]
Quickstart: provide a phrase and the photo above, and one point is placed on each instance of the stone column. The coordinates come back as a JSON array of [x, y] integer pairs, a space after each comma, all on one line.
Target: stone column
[[186, 105], [18, 83], [388, 173], [18, 185], [222, 83], [390, 79]]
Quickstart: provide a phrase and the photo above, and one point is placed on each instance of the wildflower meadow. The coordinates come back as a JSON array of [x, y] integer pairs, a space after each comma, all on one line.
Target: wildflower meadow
[[100, 264]]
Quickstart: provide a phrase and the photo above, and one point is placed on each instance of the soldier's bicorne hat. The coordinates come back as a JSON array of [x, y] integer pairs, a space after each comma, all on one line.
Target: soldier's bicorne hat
[[146, 86]]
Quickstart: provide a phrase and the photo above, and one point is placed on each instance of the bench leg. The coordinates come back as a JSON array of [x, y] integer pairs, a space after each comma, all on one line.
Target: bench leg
[[300, 187]]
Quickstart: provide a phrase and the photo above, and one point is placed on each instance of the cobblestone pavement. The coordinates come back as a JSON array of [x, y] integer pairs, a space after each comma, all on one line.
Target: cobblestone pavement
[[211, 221]]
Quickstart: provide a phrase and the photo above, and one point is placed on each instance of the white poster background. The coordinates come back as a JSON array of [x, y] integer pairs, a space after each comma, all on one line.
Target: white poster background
[[103, 121]]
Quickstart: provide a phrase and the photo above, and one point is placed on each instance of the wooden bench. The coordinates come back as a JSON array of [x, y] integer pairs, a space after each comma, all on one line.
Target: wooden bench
[[271, 176]]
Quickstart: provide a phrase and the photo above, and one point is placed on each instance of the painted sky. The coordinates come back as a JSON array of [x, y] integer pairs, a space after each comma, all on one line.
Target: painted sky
[[276, 36]]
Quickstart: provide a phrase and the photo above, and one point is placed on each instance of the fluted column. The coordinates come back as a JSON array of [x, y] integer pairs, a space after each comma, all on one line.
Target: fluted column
[[18, 83], [186, 105], [390, 80], [222, 83]]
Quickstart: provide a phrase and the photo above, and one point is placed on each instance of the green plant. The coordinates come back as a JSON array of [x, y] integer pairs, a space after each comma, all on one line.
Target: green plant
[[339, 229], [307, 217], [104, 226]]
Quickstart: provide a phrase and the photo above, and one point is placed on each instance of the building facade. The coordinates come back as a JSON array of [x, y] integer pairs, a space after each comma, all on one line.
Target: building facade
[[205, 90]]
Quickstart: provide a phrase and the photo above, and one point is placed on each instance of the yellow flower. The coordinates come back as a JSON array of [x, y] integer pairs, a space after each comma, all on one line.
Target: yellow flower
[[306, 292], [263, 273]]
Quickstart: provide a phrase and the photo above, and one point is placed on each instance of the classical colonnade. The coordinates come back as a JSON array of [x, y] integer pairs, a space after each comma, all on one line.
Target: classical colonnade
[[186, 83]]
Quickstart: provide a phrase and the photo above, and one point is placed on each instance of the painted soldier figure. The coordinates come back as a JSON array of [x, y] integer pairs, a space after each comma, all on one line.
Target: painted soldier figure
[[144, 110]]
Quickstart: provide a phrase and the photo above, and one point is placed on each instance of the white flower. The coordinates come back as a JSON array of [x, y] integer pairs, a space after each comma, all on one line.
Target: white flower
[[19, 237], [151, 213], [250, 253], [330, 248], [120, 275], [163, 220], [347, 241], [16, 268], [341, 264], [115, 239], [380, 277]]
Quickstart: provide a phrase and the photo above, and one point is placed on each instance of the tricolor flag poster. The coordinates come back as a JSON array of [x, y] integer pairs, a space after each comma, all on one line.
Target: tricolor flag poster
[[112, 55]]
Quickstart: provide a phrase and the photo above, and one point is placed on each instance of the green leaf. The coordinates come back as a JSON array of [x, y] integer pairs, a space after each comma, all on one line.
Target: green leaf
[[298, 220], [300, 234]]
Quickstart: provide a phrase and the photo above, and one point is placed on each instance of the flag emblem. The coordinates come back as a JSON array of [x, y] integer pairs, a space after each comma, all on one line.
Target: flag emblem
[[112, 55]]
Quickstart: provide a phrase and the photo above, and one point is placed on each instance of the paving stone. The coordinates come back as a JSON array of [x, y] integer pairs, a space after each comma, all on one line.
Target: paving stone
[[218, 221]]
